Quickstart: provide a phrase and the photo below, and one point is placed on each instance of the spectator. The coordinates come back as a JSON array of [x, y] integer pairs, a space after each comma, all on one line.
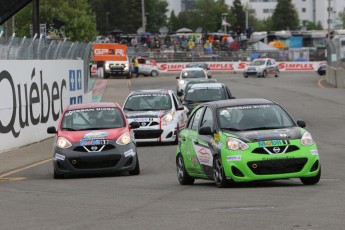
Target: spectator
[[191, 44], [167, 40], [184, 44], [136, 67], [148, 41], [134, 42], [235, 46]]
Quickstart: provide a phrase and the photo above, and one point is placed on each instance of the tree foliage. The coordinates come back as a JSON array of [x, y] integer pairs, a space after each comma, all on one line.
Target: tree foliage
[[126, 15], [238, 15], [80, 23], [285, 16]]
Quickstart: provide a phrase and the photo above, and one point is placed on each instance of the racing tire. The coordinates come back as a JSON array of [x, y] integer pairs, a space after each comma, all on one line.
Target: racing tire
[[154, 73], [58, 175], [182, 174], [218, 173], [311, 180], [129, 75], [106, 75], [136, 170], [264, 74]]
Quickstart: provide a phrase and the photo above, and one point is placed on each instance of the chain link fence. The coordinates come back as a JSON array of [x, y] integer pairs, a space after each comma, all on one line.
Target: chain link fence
[[14, 48]]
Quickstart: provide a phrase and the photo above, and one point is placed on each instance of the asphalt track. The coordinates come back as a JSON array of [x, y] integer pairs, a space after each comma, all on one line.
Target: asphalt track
[[31, 199]]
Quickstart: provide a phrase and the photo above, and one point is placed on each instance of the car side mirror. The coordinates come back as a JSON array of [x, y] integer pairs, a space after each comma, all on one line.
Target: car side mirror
[[301, 123], [178, 77], [232, 97], [51, 130], [134, 125], [180, 107], [208, 76], [179, 93], [205, 131]]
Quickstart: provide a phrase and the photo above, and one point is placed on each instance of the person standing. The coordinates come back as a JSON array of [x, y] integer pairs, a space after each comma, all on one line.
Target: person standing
[[136, 66], [100, 69]]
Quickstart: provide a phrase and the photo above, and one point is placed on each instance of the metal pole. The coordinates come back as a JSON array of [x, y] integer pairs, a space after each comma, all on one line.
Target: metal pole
[[35, 17], [143, 18], [329, 19]]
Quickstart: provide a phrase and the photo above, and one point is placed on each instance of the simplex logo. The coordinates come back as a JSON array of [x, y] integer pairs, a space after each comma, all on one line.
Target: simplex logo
[[26, 97]]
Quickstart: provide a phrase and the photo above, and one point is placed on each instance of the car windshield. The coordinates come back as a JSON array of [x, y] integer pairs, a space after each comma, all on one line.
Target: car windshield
[[93, 119], [257, 63], [254, 117], [148, 101], [205, 94], [193, 65], [193, 74]]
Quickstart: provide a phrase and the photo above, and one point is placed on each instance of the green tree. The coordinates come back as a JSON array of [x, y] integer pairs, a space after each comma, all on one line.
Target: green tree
[[285, 16], [238, 15], [80, 23], [173, 22], [126, 15], [312, 26]]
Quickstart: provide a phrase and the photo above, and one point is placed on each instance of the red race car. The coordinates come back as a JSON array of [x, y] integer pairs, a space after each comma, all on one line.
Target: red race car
[[94, 138]]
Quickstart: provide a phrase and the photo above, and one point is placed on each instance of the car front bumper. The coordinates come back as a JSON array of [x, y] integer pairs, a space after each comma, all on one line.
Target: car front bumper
[[246, 166], [106, 159]]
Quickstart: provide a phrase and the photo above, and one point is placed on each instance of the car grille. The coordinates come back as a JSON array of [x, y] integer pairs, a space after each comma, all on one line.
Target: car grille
[[94, 148], [147, 134], [276, 149], [145, 124], [94, 162], [280, 166]]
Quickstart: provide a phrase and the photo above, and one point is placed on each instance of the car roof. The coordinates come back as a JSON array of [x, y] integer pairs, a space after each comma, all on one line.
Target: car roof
[[206, 85], [93, 105], [193, 68], [239, 102], [163, 91]]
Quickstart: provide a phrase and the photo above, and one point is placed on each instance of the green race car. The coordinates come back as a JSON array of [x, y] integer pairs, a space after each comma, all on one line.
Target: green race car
[[244, 140]]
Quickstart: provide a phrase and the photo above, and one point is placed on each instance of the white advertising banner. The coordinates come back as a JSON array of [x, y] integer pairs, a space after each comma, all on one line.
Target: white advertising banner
[[33, 96], [175, 67]]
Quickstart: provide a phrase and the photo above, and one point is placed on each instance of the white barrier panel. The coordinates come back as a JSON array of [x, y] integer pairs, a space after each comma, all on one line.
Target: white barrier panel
[[33, 95], [239, 66]]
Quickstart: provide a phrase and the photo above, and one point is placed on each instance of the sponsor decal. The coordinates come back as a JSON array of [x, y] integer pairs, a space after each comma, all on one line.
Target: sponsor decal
[[271, 135], [129, 153], [25, 96], [84, 142], [276, 158], [59, 157], [314, 152], [204, 155], [195, 161], [96, 135], [269, 143], [234, 158]]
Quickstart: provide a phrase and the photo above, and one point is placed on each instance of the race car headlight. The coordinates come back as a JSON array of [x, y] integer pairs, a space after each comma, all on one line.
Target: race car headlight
[[307, 139], [168, 117], [181, 82], [124, 139], [63, 143], [235, 144]]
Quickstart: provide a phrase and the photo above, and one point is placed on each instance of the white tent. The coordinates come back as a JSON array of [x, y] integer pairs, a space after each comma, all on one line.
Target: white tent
[[184, 30], [260, 46]]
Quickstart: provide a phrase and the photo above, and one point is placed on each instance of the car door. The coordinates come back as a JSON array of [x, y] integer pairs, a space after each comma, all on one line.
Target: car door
[[203, 144], [270, 67], [189, 138], [142, 66], [181, 114]]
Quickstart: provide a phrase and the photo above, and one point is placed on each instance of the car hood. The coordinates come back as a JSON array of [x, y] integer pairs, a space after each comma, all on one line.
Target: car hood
[[107, 134], [150, 114], [272, 134]]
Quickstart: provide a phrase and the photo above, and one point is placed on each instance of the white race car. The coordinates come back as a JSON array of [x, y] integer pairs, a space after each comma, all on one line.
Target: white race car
[[159, 113]]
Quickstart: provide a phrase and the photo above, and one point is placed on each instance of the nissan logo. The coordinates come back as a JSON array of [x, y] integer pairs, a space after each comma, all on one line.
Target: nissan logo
[[276, 149], [94, 148]]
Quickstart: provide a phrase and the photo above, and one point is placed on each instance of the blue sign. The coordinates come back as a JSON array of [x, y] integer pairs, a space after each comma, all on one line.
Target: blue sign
[[80, 99], [295, 42], [79, 80], [72, 100], [72, 80]]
